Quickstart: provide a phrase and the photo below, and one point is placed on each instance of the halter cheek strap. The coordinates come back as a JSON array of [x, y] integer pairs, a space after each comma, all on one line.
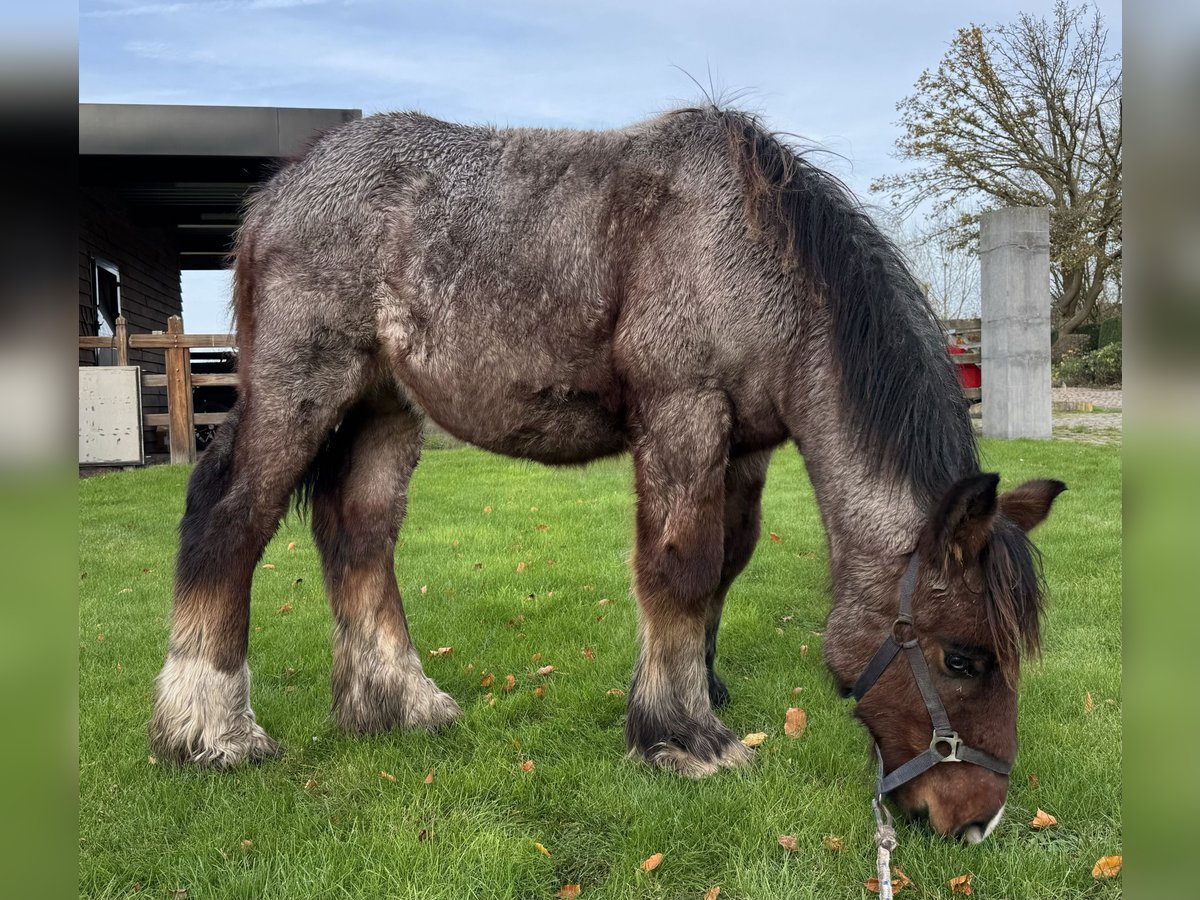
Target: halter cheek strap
[[945, 746]]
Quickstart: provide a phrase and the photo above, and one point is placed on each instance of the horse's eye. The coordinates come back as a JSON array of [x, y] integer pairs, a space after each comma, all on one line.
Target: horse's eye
[[959, 665]]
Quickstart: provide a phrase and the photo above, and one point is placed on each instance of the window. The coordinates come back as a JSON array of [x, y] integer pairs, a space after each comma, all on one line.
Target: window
[[106, 294]]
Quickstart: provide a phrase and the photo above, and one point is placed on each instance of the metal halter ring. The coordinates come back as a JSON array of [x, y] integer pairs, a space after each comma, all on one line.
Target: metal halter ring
[[903, 620], [952, 740]]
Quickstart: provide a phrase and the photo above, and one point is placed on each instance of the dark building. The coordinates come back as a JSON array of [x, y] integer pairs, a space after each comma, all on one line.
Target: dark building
[[160, 191]]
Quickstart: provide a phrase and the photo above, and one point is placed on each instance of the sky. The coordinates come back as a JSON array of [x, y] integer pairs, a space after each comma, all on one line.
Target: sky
[[830, 72]]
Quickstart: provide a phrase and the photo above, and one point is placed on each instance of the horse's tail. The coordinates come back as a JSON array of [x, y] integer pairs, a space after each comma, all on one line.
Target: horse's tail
[[245, 282]]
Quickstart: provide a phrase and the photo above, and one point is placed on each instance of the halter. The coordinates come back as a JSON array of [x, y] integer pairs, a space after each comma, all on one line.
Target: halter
[[943, 732]]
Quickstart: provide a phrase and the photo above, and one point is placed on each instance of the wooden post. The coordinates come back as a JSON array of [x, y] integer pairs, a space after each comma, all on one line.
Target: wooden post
[[121, 340], [179, 398]]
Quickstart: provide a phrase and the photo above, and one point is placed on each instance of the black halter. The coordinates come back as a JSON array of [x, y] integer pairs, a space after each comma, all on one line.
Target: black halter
[[943, 731]]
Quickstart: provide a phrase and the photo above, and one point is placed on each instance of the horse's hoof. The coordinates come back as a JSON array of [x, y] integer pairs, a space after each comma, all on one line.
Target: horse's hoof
[[695, 752], [718, 694], [417, 706], [245, 743]]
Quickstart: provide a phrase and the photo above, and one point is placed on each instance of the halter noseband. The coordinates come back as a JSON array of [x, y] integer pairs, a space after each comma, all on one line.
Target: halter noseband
[[943, 732]]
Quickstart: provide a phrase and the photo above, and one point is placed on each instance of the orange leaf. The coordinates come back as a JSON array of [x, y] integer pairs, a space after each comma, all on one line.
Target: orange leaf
[[568, 892], [712, 893], [788, 842], [651, 863], [961, 884], [268, 565], [1106, 867], [1088, 705], [510, 682], [589, 653], [753, 740], [804, 649], [247, 844], [539, 691], [1033, 781], [774, 538], [527, 766], [899, 880], [796, 722], [487, 509], [545, 670], [284, 609], [541, 849], [520, 567], [424, 589], [292, 545], [387, 776], [487, 679], [833, 842], [429, 777], [1042, 819]]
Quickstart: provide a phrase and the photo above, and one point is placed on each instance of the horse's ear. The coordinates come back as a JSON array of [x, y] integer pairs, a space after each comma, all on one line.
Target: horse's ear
[[964, 517], [1029, 504]]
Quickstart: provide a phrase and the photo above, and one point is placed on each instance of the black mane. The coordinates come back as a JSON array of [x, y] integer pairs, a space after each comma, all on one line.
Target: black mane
[[898, 383]]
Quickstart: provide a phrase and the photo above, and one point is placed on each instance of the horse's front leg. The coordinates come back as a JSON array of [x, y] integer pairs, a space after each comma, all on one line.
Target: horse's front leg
[[680, 464]]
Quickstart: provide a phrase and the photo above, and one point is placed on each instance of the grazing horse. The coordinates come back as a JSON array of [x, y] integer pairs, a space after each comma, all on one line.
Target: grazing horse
[[689, 289]]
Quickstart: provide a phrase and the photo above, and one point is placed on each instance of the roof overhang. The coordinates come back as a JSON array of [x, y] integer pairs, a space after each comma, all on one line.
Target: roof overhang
[[189, 168]]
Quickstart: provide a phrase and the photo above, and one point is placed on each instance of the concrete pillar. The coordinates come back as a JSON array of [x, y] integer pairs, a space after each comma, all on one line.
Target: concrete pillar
[[1014, 252]]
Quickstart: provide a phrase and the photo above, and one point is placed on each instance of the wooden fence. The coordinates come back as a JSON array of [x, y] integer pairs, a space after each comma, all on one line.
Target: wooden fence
[[181, 420], [179, 380]]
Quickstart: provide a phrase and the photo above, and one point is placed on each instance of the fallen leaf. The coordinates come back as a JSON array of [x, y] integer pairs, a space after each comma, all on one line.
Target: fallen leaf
[[247, 844], [804, 649], [423, 834], [537, 657], [137, 886], [387, 776], [712, 893], [520, 567], [470, 667], [568, 892], [797, 691], [539, 691], [1033, 781], [796, 722], [589, 653], [178, 894], [541, 848], [1088, 705], [542, 527], [491, 699], [153, 760], [120, 668], [454, 543], [310, 784], [899, 880], [774, 538], [510, 682], [545, 670], [549, 562], [533, 509], [99, 639], [603, 602], [284, 609], [429, 777], [1106, 867], [441, 651], [268, 565], [424, 589], [527, 766], [487, 679], [487, 509], [753, 740], [788, 842], [291, 546], [125, 591], [1042, 819], [961, 884], [615, 692], [833, 842], [651, 863]]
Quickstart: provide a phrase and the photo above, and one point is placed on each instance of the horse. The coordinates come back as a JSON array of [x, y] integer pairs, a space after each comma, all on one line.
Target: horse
[[690, 289]]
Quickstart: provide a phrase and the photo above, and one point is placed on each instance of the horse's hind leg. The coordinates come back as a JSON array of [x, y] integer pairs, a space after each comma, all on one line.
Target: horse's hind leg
[[359, 500], [680, 463], [236, 497], [744, 481]]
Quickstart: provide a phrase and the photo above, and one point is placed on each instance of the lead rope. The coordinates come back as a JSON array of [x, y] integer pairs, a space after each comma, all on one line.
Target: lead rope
[[885, 842]]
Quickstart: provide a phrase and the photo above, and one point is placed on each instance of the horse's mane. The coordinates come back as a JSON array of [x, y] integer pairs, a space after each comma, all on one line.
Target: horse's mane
[[898, 384]]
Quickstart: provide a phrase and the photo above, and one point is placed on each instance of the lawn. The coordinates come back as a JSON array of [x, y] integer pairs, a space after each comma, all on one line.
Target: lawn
[[324, 822]]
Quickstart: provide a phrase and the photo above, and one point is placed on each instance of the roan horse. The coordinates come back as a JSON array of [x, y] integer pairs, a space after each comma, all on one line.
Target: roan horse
[[689, 289]]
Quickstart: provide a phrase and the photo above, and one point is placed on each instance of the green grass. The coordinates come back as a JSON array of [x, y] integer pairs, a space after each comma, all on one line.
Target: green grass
[[323, 823]]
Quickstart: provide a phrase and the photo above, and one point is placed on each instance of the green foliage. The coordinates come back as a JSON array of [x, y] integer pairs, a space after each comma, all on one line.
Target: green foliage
[[323, 823], [1092, 330], [1110, 332], [1094, 367]]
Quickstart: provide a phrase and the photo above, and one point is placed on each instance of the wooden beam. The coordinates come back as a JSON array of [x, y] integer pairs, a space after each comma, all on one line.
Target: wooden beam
[[179, 340], [179, 398], [151, 420], [221, 379], [121, 337]]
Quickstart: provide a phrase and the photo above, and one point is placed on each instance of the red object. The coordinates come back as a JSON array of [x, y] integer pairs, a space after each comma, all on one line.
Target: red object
[[969, 375]]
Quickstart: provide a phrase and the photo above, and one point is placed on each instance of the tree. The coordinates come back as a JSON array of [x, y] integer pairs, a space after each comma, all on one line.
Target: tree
[[948, 271], [1027, 114]]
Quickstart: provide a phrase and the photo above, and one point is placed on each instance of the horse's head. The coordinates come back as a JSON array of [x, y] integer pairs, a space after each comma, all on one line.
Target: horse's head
[[975, 597]]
